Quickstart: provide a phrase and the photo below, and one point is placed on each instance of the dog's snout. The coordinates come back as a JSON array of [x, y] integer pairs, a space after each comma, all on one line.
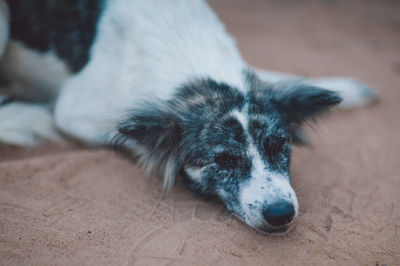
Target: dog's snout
[[279, 214]]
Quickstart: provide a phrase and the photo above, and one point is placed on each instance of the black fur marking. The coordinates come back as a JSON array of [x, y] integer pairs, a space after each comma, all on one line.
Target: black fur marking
[[291, 102], [66, 27], [236, 129], [158, 133], [266, 132], [179, 130], [197, 126], [304, 102]]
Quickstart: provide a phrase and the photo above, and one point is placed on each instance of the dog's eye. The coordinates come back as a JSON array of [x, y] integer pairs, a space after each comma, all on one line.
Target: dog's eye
[[274, 144], [224, 159], [277, 145]]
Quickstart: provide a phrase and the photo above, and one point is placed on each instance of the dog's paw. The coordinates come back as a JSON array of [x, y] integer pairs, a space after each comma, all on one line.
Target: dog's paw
[[24, 124], [354, 93]]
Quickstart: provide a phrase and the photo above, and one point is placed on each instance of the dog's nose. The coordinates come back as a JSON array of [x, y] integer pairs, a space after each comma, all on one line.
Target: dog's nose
[[280, 213]]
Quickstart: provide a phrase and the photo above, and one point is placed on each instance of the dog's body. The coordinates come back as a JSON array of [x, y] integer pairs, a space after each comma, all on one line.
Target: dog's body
[[163, 79]]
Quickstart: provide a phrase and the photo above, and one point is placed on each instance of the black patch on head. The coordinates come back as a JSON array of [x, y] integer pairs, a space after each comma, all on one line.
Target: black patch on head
[[186, 128], [271, 135], [66, 27], [235, 129], [270, 128], [218, 97]]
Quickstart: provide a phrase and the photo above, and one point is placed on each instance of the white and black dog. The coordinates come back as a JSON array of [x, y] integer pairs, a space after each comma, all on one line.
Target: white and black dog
[[164, 80]]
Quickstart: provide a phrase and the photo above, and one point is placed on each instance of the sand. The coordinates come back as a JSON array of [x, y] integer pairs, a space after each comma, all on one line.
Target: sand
[[70, 205]]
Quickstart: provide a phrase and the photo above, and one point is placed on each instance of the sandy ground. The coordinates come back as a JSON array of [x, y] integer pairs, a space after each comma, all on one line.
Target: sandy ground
[[74, 206]]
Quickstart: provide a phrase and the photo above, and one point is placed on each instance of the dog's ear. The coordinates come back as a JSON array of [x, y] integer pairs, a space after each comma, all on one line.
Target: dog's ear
[[300, 103], [154, 134]]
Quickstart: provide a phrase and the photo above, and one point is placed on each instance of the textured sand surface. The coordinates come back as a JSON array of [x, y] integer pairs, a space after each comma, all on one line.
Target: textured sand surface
[[76, 206]]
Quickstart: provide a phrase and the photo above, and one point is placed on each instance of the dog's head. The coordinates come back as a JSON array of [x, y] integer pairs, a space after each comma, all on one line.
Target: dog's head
[[230, 144]]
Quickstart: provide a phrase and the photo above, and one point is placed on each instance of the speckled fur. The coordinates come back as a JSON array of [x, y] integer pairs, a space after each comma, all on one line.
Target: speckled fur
[[164, 80], [205, 119]]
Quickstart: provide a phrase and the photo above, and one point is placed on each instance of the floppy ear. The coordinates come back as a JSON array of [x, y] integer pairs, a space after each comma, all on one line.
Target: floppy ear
[[154, 134], [301, 103]]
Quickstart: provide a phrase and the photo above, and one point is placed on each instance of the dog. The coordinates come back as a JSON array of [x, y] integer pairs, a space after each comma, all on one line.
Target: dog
[[164, 80]]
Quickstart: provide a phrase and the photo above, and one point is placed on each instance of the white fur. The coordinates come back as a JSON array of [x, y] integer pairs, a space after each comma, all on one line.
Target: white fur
[[140, 53], [273, 77], [29, 124], [353, 92], [258, 192], [142, 50], [195, 173]]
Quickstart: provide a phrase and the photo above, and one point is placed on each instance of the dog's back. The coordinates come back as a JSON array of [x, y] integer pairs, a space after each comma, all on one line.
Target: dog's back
[[132, 50], [49, 40], [61, 27]]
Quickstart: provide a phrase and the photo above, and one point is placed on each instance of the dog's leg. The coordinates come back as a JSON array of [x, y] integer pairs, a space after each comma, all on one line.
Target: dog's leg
[[23, 124], [353, 92]]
